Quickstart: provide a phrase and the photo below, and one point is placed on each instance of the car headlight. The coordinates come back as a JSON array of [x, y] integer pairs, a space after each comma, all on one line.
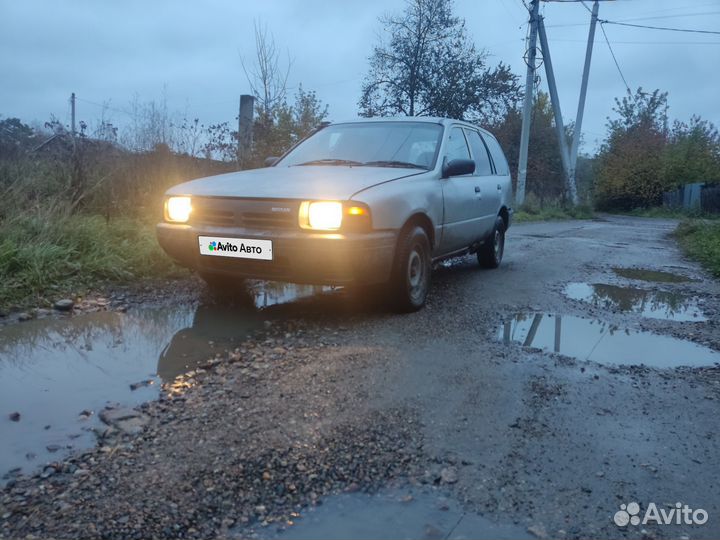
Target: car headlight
[[177, 209], [321, 215]]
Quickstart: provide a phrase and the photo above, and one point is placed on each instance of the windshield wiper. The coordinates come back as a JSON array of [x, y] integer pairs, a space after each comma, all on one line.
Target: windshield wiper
[[330, 161], [390, 163]]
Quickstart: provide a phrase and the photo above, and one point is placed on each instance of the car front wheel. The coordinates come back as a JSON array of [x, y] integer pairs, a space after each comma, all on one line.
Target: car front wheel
[[413, 265], [491, 252]]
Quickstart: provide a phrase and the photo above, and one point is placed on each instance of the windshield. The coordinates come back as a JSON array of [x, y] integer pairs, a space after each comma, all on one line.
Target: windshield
[[371, 144]]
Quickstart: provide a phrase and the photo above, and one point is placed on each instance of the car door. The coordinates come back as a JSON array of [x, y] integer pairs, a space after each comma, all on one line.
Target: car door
[[502, 170], [486, 187], [460, 203]]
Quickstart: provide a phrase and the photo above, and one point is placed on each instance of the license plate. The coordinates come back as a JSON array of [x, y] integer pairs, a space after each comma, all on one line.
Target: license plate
[[239, 248]]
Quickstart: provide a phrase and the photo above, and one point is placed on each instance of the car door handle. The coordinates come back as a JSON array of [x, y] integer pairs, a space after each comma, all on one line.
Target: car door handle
[[499, 186], [477, 189]]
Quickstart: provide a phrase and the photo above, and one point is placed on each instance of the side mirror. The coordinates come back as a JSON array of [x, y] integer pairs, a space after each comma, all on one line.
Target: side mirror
[[457, 167], [270, 161]]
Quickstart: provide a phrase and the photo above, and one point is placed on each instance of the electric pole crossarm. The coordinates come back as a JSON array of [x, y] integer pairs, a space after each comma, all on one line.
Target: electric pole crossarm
[[555, 100]]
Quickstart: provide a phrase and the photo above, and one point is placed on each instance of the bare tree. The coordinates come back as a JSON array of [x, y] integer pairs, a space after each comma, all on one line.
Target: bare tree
[[267, 79]]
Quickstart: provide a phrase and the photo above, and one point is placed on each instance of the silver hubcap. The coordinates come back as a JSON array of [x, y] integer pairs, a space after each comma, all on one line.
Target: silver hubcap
[[416, 274], [498, 245], [414, 269]]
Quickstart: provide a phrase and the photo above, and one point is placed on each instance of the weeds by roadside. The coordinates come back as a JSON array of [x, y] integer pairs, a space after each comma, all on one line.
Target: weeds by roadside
[[668, 213], [43, 257], [549, 213], [700, 239]]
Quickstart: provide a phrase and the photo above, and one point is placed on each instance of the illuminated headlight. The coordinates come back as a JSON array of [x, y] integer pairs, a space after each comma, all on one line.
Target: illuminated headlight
[[321, 215], [177, 209]]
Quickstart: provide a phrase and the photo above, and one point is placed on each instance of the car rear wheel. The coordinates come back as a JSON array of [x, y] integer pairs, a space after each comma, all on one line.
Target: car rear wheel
[[491, 252], [411, 274]]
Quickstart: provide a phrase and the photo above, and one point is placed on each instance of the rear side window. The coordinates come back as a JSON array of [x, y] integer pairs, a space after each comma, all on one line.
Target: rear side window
[[501, 164], [456, 146], [480, 155]]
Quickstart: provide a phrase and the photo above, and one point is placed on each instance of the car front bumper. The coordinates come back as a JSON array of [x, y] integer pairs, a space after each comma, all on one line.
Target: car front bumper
[[298, 256]]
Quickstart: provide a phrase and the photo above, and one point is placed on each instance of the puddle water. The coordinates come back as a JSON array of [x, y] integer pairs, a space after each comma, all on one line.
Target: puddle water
[[643, 274], [395, 515], [656, 305], [598, 341], [53, 369]]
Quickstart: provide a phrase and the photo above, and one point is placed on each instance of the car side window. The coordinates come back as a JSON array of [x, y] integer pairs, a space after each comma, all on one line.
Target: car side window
[[501, 164], [480, 153], [457, 147]]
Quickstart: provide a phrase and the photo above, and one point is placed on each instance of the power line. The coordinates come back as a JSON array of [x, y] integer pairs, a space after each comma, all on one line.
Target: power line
[[671, 16], [625, 22], [109, 108], [671, 43], [612, 53], [714, 32]]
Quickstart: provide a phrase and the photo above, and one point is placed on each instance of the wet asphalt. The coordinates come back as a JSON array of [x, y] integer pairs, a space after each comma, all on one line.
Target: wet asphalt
[[556, 388]]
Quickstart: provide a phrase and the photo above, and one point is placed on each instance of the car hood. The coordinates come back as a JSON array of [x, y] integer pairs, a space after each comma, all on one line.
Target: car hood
[[300, 182]]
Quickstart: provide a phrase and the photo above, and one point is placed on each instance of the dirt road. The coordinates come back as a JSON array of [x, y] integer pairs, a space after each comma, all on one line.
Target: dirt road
[[529, 401]]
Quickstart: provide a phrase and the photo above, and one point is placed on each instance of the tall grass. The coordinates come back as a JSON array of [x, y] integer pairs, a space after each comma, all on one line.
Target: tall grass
[[700, 239], [72, 221], [669, 213], [46, 255], [533, 210]]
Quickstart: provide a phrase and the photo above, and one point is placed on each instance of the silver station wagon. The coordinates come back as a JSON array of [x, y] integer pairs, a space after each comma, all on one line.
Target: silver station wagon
[[370, 202]]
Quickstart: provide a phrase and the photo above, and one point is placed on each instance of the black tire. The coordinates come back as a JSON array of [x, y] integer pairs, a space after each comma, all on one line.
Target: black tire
[[491, 252], [412, 269]]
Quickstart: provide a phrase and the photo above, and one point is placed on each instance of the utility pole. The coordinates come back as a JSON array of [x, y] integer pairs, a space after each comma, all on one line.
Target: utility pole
[[245, 125], [72, 114], [583, 93], [555, 100], [528, 104], [568, 156]]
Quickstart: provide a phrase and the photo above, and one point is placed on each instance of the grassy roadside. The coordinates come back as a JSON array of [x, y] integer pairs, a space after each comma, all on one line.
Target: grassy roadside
[[668, 213], [43, 258], [700, 239], [531, 213]]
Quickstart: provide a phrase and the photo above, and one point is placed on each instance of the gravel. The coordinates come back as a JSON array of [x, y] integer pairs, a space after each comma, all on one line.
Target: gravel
[[228, 448]]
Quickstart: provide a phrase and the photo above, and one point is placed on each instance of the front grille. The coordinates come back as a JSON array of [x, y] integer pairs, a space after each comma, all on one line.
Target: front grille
[[264, 220], [260, 214], [213, 216]]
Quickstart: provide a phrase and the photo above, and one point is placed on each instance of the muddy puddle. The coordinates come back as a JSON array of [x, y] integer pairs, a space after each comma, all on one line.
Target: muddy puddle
[[598, 341], [644, 274], [653, 304], [57, 373], [393, 514]]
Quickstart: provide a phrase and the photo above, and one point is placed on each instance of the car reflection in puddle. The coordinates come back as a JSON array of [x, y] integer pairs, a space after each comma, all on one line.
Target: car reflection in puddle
[[219, 328], [604, 343], [652, 304], [54, 369], [393, 514]]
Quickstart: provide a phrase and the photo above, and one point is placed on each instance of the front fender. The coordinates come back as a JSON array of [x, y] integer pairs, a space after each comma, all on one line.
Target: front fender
[[393, 203]]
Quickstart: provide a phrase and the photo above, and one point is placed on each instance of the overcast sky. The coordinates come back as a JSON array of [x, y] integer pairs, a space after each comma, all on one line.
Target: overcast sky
[[111, 50]]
